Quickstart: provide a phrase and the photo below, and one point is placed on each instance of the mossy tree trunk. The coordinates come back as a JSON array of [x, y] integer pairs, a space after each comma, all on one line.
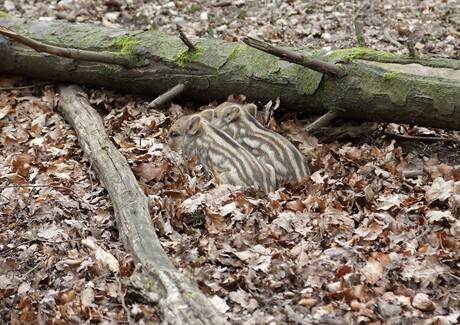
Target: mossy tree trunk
[[376, 86]]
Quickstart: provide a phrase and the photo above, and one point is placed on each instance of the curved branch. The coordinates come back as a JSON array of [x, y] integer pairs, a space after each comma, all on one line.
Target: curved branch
[[70, 53]]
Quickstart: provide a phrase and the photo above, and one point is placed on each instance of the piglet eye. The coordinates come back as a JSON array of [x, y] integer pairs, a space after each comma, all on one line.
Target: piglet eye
[[174, 134]]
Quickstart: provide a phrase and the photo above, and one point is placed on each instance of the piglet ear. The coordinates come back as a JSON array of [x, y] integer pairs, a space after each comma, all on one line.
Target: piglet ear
[[193, 124], [231, 113], [208, 114], [251, 108]]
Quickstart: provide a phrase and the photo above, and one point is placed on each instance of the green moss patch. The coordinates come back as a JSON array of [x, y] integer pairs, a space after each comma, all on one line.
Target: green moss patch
[[126, 46], [390, 75], [5, 15], [192, 9], [360, 53], [185, 57]]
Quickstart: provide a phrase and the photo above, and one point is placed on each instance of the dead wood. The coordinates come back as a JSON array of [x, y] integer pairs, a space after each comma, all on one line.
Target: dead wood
[[287, 55], [178, 298], [323, 121], [372, 86], [168, 96]]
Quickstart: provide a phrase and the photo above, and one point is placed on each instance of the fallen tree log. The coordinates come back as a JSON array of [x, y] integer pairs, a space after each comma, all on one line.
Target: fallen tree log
[[179, 299], [374, 86]]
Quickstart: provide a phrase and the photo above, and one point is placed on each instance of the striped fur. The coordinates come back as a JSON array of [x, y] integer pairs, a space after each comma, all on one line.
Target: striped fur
[[218, 152], [267, 146]]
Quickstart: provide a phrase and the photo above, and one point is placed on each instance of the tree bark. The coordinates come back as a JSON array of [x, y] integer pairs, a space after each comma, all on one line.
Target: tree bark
[[179, 299], [375, 86]]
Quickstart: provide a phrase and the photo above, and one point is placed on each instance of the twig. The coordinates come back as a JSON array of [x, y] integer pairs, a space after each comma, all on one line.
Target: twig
[[415, 137], [70, 53], [34, 268], [413, 173], [359, 31], [322, 121], [122, 299], [183, 38], [453, 275], [46, 185], [167, 96], [313, 64], [386, 33]]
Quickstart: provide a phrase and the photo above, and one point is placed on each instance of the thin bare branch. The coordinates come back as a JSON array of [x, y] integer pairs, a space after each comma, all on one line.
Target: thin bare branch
[[313, 64], [183, 38], [324, 120], [122, 299], [70, 53]]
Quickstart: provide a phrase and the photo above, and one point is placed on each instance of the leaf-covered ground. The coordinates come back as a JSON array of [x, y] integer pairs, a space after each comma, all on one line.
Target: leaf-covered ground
[[371, 237]]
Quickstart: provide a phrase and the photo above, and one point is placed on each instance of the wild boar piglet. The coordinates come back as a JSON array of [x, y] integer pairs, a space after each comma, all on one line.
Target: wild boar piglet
[[267, 146], [218, 152]]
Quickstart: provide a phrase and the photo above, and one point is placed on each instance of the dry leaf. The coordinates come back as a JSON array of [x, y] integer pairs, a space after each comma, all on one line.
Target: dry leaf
[[150, 171], [422, 301], [373, 270]]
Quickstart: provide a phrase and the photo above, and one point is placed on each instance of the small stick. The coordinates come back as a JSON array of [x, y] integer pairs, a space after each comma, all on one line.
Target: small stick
[[359, 30], [168, 95], [70, 53], [313, 64], [415, 137], [322, 121], [34, 268], [191, 47]]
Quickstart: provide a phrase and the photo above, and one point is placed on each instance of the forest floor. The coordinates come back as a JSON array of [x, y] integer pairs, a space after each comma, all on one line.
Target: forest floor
[[371, 237]]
